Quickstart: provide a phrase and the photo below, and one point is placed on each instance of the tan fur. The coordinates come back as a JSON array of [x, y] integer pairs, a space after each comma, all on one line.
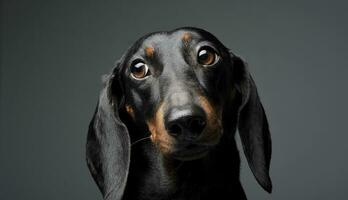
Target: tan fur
[[159, 134], [186, 37], [149, 51], [130, 111], [212, 132]]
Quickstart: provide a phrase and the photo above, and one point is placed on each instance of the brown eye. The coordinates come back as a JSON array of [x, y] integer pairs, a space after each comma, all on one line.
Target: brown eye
[[139, 70], [207, 56]]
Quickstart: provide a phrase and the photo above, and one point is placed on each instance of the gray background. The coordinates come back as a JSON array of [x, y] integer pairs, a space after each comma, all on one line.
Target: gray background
[[53, 54]]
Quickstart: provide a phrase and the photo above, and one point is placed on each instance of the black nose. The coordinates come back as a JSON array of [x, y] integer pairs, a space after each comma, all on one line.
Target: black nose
[[187, 122]]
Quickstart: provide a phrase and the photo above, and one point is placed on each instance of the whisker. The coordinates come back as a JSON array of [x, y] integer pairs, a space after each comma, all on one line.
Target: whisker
[[179, 166], [145, 138]]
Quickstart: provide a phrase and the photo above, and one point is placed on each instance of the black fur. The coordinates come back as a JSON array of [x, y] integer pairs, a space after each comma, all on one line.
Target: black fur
[[127, 164]]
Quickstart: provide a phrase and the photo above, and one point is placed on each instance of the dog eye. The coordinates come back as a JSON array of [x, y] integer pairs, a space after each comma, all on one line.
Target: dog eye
[[139, 70], [207, 56]]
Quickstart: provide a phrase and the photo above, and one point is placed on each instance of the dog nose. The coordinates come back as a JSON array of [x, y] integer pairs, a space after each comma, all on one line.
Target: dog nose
[[186, 122]]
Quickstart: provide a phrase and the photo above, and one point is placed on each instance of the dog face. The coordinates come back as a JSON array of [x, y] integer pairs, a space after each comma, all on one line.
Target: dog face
[[175, 85], [185, 91]]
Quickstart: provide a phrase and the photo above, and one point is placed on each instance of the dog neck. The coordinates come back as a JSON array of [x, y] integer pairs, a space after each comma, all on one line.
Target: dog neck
[[213, 177]]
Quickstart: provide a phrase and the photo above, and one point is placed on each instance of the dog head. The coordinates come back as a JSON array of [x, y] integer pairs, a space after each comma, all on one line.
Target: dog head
[[184, 89]]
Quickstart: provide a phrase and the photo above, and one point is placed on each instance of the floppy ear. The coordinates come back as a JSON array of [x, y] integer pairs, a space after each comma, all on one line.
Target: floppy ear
[[252, 125], [108, 144]]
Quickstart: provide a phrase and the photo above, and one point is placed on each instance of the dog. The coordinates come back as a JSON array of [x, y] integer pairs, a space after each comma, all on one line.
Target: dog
[[164, 126]]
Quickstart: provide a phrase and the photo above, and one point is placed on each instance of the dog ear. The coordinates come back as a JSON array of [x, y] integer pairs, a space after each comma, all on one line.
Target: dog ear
[[252, 125], [108, 143]]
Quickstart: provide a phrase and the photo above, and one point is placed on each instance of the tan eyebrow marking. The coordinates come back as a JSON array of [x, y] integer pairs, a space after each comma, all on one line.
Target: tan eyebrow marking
[[149, 51], [186, 37]]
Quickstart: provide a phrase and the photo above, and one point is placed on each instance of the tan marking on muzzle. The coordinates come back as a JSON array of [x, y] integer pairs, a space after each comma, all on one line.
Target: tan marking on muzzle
[[159, 135], [213, 130]]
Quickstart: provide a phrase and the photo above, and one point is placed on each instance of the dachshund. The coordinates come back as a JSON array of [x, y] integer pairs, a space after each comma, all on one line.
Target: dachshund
[[165, 123]]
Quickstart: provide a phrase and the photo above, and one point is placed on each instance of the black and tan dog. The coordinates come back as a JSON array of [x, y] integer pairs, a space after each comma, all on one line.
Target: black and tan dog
[[164, 127]]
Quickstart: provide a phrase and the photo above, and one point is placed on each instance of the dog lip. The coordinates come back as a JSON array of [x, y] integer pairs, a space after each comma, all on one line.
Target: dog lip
[[191, 152]]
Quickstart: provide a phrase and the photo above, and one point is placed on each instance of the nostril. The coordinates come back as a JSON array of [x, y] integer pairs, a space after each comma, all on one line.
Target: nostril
[[196, 125], [174, 129], [185, 123]]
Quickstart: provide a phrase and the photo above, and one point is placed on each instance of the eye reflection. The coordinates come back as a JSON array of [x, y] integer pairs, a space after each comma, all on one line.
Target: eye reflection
[[139, 70], [207, 56]]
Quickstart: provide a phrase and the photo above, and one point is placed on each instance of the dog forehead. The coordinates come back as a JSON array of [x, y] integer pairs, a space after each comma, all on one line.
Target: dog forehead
[[167, 44], [166, 40]]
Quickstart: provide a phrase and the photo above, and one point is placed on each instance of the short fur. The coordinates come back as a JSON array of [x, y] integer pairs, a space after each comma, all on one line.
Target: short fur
[[132, 154]]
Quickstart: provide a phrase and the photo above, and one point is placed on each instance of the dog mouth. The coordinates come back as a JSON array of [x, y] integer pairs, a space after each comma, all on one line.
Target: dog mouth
[[191, 152]]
